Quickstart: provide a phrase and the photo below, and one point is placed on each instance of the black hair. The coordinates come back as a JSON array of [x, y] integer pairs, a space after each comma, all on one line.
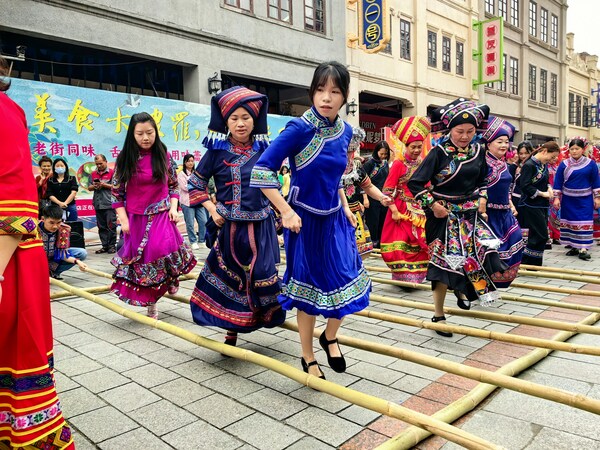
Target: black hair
[[578, 142], [4, 84], [44, 159], [126, 164], [101, 156], [550, 147], [52, 211], [186, 158], [335, 71], [56, 161], [379, 146], [284, 167]]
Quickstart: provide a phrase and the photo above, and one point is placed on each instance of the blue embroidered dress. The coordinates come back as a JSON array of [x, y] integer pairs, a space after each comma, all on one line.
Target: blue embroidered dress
[[501, 219], [324, 275], [238, 286], [577, 183]]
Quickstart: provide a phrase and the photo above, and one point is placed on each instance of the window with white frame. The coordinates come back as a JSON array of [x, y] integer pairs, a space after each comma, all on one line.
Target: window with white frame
[[554, 31], [533, 18], [543, 86], [460, 58], [489, 7], [532, 82], [514, 12], [544, 24], [446, 54], [514, 76], [553, 89], [404, 39], [502, 10]]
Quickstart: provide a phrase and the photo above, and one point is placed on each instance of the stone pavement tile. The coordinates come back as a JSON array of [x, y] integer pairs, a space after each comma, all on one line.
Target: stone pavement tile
[[167, 357], [442, 393], [232, 385], [140, 439], [412, 384], [219, 410], [320, 399], [162, 417], [273, 403], [373, 358], [563, 315], [101, 380], [545, 413], [63, 383], [388, 426], [81, 442], [548, 438], [123, 361], [375, 373], [324, 426], [201, 436], [286, 346], [197, 370], [379, 390], [474, 341], [62, 352], [182, 391], [109, 333], [359, 415], [453, 348], [76, 340], [457, 381], [262, 338], [368, 328], [309, 443], [240, 367], [78, 365], [520, 434], [487, 357], [150, 375], [129, 397], [176, 343], [276, 381], [60, 328], [81, 319], [408, 337], [206, 355], [252, 430], [366, 439], [577, 370], [103, 423], [141, 346], [98, 350], [416, 369], [505, 348], [79, 401], [499, 328]]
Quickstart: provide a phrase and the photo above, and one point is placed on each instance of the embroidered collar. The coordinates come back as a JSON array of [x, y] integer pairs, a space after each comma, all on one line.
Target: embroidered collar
[[318, 121]]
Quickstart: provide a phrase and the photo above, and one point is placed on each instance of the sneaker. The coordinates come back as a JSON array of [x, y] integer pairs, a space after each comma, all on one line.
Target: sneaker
[[195, 246], [152, 311]]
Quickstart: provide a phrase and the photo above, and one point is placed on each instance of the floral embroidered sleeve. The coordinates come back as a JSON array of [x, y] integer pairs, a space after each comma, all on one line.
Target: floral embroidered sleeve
[[118, 192], [198, 181], [172, 178], [423, 176]]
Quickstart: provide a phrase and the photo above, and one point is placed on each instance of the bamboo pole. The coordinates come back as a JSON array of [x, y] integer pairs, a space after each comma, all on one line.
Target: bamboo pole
[[561, 270], [92, 290], [373, 403], [412, 436], [541, 287], [509, 318]]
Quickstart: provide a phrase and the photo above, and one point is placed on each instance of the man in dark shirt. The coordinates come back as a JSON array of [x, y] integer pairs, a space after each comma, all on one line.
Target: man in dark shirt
[[106, 217]]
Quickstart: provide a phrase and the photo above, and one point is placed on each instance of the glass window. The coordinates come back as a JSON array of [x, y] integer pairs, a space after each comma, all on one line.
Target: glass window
[[314, 15], [543, 86], [388, 48], [242, 4], [404, 39], [514, 12], [502, 11], [533, 18], [514, 76], [446, 54], [460, 58], [432, 49], [532, 82], [544, 24], [502, 83], [554, 31], [280, 10], [489, 7], [572, 109], [553, 89]]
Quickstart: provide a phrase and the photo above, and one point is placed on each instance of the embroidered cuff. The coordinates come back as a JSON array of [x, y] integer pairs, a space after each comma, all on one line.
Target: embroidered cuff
[[558, 194], [483, 193], [198, 197], [263, 177], [426, 200], [596, 192]]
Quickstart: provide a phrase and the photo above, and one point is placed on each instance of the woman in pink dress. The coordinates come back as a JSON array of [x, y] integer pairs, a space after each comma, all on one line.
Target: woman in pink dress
[[145, 191]]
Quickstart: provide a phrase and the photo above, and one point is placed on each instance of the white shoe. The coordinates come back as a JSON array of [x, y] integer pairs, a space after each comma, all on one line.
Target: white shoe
[[195, 246]]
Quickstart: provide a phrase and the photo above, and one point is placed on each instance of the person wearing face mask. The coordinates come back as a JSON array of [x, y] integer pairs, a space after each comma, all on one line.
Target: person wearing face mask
[[462, 245], [403, 244], [41, 180], [577, 194], [536, 193], [377, 169], [500, 208], [62, 189]]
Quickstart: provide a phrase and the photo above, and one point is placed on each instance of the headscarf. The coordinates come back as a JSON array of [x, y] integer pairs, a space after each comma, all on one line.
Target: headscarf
[[459, 112], [411, 129], [498, 127]]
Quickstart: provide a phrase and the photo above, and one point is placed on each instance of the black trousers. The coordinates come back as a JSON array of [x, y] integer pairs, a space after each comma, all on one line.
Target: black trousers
[[107, 227]]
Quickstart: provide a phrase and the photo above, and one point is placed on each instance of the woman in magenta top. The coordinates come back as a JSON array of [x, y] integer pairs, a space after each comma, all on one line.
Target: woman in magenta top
[[145, 194]]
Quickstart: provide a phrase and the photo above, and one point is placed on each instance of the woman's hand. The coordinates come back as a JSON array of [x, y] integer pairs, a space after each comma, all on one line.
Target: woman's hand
[[350, 216], [556, 203], [386, 200], [596, 202], [292, 221], [173, 214], [439, 211], [396, 216], [366, 203], [217, 218]]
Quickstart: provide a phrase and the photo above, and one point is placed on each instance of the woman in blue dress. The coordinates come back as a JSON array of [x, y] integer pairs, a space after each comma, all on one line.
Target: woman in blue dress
[[238, 286], [577, 194], [325, 275], [500, 208]]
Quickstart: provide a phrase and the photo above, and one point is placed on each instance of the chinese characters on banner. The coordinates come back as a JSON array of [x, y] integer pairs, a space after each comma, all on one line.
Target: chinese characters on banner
[[373, 24], [489, 55], [77, 124]]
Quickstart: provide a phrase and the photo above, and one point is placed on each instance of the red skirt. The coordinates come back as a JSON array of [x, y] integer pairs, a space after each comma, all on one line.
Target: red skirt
[[30, 414]]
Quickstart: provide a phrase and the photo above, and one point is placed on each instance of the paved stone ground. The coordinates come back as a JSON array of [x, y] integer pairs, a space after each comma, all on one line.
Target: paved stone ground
[[124, 385]]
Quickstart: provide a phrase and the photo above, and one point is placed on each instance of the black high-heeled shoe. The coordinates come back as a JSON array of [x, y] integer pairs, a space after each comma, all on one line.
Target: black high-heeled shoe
[[306, 365], [462, 303], [231, 338], [436, 319], [337, 363]]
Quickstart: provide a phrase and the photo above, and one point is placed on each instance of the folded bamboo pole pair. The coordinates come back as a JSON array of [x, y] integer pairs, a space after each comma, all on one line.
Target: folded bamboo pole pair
[[92, 290], [373, 403]]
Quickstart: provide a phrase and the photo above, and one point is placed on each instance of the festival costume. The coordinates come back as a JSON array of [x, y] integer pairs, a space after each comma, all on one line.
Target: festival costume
[[534, 209], [403, 244], [325, 275], [238, 286], [377, 171], [576, 184], [153, 255], [553, 213], [462, 246], [500, 217], [30, 412]]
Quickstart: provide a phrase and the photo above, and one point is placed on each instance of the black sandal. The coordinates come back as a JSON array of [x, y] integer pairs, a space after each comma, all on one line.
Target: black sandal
[[306, 365], [337, 363], [436, 319], [573, 252], [102, 250], [462, 303], [585, 256]]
